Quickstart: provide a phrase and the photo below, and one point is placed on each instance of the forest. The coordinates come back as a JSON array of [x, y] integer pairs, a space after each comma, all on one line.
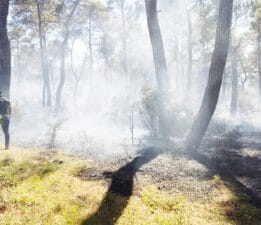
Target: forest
[[130, 112]]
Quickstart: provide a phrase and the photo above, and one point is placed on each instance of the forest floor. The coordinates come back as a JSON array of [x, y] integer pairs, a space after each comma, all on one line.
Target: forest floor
[[161, 186]]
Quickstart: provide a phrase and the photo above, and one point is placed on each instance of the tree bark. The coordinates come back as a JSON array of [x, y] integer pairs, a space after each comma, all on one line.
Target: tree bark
[[157, 45], [62, 62], [124, 37], [90, 47], [90, 39], [5, 52], [46, 95], [259, 56], [160, 64], [203, 55], [217, 66], [189, 70], [224, 84], [243, 80], [234, 94]]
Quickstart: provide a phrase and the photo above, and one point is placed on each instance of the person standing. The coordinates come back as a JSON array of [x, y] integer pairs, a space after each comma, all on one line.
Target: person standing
[[5, 113]]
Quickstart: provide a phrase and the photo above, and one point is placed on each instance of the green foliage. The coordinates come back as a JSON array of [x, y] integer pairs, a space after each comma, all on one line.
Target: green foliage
[[177, 117]]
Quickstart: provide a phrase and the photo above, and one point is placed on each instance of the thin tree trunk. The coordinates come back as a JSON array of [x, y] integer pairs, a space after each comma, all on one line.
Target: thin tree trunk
[[189, 70], [124, 37], [216, 71], [203, 67], [259, 56], [62, 62], [243, 80], [19, 68], [90, 39], [5, 52], [234, 94], [46, 95], [157, 45]]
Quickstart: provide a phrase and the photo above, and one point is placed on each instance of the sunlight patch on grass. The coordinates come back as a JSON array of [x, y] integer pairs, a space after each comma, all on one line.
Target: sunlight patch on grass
[[42, 188]]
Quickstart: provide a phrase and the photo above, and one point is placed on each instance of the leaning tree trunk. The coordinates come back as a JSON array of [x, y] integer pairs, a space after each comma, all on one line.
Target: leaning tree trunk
[[5, 53], [157, 45], [159, 62], [62, 62], [234, 94], [46, 94], [217, 66]]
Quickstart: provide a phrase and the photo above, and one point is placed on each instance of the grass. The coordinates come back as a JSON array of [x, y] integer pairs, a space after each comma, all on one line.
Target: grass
[[35, 189]]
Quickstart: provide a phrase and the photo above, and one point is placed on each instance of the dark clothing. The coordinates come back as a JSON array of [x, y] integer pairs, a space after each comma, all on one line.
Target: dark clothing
[[5, 127], [4, 107], [5, 110]]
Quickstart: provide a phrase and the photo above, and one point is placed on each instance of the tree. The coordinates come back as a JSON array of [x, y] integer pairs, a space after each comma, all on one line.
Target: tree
[[190, 46], [62, 62], [216, 70], [47, 95], [240, 10], [234, 68], [258, 28], [159, 61], [157, 44], [5, 54]]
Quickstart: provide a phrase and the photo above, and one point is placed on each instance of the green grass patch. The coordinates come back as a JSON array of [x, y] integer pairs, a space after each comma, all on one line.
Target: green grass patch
[[12, 172], [34, 189]]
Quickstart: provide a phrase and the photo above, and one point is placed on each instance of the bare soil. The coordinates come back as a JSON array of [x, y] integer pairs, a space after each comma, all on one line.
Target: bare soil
[[235, 156]]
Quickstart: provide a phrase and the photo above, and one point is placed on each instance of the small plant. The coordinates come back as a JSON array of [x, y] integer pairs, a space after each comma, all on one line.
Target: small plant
[[53, 131], [149, 110], [217, 181]]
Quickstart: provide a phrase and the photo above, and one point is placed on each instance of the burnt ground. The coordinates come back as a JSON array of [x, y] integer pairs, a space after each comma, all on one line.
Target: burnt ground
[[235, 156]]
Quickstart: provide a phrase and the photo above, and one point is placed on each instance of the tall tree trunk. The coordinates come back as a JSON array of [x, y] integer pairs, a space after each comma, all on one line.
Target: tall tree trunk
[[224, 84], [243, 80], [5, 53], [90, 47], [157, 45], [90, 39], [159, 62], [259, 56], [124, 37], [216, 70], [46, 95], [203, 57], [189, 70], [234, 94], [19, 68], [176, 79], [62, 62]]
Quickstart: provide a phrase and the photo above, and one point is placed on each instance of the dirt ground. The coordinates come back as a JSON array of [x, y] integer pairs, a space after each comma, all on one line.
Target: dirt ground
[[233, 157]]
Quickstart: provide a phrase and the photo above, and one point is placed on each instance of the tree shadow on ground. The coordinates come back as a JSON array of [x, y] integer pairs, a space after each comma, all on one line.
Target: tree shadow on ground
[[120, 190], [231, 168]]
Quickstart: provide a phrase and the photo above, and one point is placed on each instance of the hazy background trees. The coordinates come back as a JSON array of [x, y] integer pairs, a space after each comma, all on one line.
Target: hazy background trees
[[98, 63]]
